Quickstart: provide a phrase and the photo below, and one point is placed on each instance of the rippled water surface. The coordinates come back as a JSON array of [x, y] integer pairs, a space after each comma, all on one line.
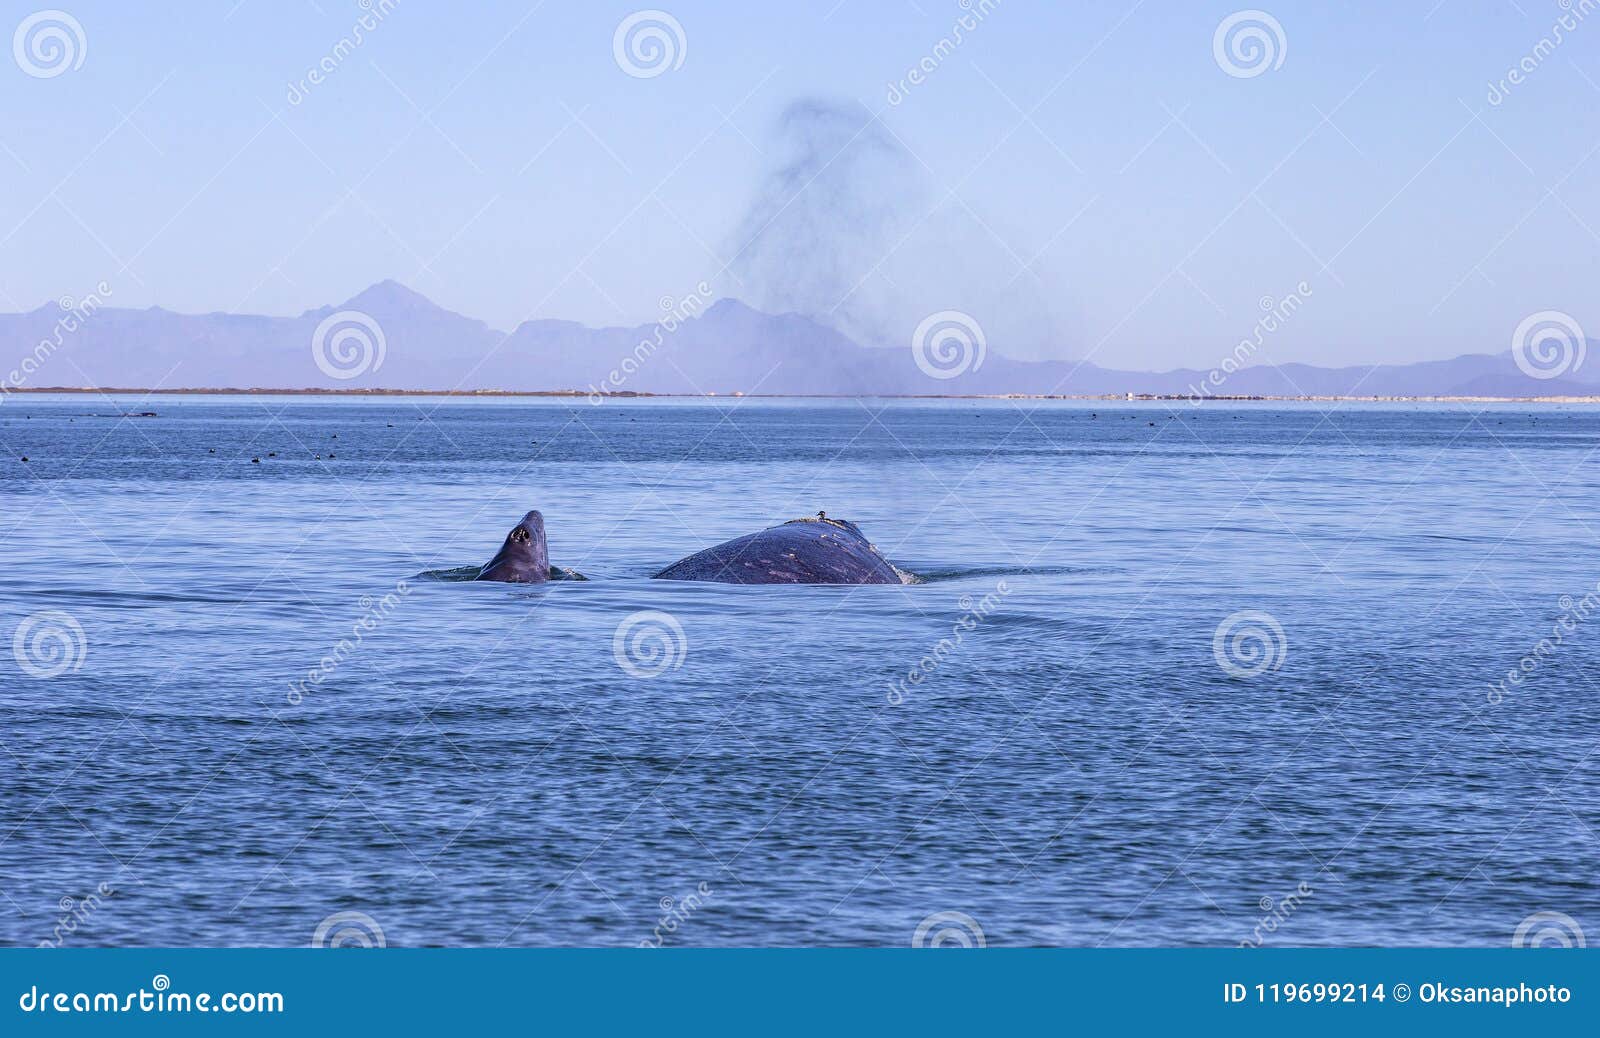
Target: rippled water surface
[[1068, 761]]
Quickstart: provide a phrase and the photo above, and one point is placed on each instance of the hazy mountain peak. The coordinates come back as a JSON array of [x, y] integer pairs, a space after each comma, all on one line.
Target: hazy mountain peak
[[728, 306], [389, 295]]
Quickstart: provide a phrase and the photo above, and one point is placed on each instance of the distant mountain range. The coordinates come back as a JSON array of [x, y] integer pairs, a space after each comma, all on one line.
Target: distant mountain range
[[727, 348]]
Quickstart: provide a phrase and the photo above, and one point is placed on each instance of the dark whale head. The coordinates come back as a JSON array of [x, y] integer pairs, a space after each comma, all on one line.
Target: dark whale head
[[524, 558]]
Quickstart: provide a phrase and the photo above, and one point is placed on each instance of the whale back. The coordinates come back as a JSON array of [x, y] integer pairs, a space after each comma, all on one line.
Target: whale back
[[524, 558], [801, 551]]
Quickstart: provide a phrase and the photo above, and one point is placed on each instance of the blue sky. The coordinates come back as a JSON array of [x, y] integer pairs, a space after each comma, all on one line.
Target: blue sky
[[1085, 179]]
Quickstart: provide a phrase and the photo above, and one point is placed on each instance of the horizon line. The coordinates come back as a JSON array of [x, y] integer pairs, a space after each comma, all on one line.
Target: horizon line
[[739, 395], [734, 300]]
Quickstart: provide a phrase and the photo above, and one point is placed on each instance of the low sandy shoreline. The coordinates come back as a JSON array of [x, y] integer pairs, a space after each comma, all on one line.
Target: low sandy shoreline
[[579, 394]]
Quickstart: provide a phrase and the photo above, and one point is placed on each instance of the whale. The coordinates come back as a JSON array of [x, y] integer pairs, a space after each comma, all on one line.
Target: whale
[[801, 551], [524, 558]]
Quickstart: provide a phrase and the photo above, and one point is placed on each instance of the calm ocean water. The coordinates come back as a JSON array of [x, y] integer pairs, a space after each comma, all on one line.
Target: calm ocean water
[[1046, 740]]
